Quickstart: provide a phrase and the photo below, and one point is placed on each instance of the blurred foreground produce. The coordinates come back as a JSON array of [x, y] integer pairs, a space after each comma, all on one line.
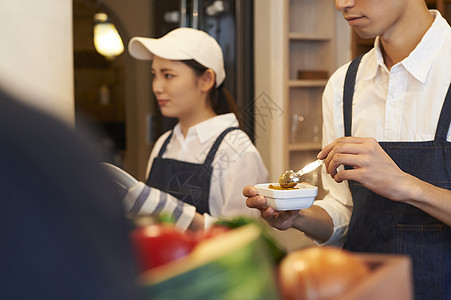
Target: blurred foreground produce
[[235, 264], [213, 231], [274, 248], [160, 243], [237, 259], [320, 273]]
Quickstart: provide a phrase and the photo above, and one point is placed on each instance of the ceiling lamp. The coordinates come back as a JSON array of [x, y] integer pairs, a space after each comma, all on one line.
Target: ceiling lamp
[[107, 40]]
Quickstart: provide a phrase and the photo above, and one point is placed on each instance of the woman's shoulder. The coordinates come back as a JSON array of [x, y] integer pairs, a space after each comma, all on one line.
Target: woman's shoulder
[[237, 142], [160, 142]]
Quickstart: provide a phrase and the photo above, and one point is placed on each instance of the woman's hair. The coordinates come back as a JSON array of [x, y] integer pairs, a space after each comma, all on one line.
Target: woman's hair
[[221, 100]]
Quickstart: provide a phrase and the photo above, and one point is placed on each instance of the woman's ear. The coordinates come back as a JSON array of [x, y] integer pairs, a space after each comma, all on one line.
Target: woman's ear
[[207, 80]]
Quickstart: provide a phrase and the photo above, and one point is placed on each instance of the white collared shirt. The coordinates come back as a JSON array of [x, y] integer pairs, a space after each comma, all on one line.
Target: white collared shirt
[[402, 104], [237, 162]]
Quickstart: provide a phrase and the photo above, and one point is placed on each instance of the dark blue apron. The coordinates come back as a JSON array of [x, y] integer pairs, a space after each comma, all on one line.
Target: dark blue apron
[[380, 225], [188, 182]]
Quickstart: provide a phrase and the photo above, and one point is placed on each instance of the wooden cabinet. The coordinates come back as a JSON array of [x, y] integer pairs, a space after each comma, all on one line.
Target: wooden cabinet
[[311, 58], [99, 94], [361, 46]]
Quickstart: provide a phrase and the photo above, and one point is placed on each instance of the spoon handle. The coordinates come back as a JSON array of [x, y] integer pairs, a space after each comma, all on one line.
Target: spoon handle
[[310, 167]]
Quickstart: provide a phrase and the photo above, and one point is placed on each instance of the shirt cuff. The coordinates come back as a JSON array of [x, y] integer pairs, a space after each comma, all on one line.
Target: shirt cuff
[[142, 199], [209, 221], [340, 216]]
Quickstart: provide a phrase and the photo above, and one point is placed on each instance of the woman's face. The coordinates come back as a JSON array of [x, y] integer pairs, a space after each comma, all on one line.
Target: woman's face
[[176, 88], [370, 18]]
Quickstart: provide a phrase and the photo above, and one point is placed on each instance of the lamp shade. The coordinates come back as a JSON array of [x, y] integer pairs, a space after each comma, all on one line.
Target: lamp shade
[[107, 40]]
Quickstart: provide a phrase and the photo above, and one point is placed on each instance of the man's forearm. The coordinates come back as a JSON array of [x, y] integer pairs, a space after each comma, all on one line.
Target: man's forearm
[[431, 199], [316, 223]]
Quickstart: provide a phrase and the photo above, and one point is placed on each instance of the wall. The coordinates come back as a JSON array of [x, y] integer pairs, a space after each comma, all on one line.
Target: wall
[[269, 85], [36, 55]]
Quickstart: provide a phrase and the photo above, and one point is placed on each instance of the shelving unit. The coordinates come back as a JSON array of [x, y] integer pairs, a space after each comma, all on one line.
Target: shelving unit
[[311, 48], [294, 35]]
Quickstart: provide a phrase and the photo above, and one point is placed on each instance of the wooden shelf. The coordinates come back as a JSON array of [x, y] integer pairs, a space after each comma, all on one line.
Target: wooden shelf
[[313, 146], [297, 36], [307, 83]]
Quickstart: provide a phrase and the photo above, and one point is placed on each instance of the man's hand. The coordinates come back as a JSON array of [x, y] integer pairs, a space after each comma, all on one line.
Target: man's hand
[[372, 167], [281, 220]]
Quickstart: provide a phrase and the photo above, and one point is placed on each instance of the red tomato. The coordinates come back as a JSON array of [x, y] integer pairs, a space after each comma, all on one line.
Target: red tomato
[[158, 244]]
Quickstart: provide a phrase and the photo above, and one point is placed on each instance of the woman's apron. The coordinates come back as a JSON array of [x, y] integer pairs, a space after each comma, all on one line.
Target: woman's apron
[[188, 182], [380, 225]]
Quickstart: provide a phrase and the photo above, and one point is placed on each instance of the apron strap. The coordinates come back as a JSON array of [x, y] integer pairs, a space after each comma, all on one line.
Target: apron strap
[[445, 118], [211, 154], [165, 144], [348, 94]]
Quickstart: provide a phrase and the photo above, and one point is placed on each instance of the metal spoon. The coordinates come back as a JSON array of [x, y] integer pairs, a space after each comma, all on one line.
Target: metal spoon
[[290, 178]]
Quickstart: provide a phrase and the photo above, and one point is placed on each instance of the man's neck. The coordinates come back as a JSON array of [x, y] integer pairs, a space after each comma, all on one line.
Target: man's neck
[[402, 39]]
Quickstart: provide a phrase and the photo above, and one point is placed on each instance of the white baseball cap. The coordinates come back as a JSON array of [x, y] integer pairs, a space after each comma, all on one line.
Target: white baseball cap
[[182, 44]]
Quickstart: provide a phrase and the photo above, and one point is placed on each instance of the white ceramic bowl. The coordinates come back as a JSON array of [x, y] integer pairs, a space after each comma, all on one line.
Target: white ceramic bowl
[[299, 198]]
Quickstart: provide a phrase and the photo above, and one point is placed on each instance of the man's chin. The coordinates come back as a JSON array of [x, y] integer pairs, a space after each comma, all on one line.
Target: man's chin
[[364, 34]]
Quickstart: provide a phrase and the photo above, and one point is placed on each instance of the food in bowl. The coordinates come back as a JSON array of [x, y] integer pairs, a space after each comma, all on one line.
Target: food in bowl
[[278, 187], [288, 199]]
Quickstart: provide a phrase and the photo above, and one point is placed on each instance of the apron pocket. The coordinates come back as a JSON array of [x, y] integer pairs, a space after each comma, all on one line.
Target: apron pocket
[[424, 244]]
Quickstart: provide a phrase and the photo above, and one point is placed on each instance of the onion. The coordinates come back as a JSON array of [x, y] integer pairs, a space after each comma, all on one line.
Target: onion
[[319, 273]]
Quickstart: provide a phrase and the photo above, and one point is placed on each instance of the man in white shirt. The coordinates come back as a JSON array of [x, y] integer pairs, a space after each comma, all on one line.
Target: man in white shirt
[[397, 199]]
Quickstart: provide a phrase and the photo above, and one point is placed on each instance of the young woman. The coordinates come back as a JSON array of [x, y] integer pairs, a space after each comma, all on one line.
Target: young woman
[[205, 160]]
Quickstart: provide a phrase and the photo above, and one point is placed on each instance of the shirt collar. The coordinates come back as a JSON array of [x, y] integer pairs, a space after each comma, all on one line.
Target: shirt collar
[[207, 129], [420, 60], [373, 61]]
